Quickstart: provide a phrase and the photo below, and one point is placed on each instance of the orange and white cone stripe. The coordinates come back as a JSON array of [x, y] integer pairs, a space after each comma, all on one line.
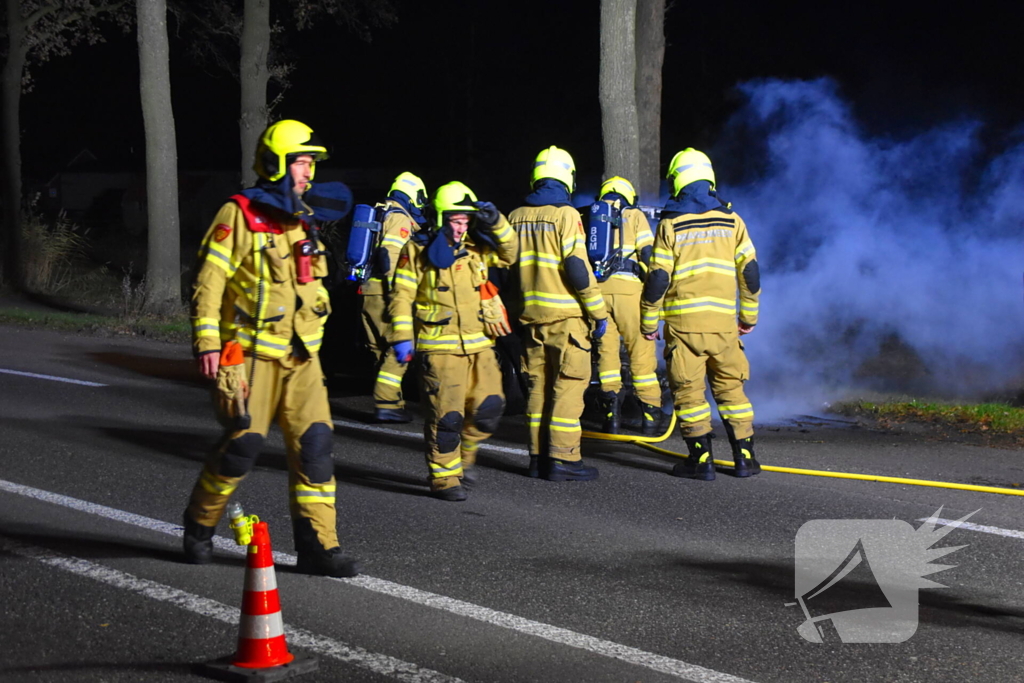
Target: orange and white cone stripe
[[261, 641]]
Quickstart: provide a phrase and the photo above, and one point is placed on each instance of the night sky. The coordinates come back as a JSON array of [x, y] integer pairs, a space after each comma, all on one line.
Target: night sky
[[473, 90]]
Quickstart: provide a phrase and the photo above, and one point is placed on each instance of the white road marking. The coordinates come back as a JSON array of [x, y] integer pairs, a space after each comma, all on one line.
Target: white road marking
[[1010, 533], [556, 634], [296, 637], [51, 377], [417, 435]]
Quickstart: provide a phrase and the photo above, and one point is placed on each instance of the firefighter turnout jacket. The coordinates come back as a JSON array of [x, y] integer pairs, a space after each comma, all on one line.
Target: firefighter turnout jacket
[[398, 227], [246, 289], [441, 307], [699, 262], [555, 275]]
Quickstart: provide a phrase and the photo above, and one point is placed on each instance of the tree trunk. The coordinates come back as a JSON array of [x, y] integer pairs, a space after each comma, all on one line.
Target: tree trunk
[[163, 270], [11, 272], [619, 126], [650, 57], [254, 75]]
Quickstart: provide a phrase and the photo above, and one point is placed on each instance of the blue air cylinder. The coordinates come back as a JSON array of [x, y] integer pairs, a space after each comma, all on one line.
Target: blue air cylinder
[[361, 241], [600, 237]]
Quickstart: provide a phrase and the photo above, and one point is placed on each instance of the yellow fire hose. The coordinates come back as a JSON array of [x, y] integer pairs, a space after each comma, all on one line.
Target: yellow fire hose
[[632, 438], [646, 441]]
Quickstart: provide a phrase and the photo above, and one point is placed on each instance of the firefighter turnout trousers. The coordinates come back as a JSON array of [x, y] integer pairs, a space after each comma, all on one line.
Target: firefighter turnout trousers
[[387, 391], [465, 403], [718, 355], [293, 392], [557, 358], [624, 321]]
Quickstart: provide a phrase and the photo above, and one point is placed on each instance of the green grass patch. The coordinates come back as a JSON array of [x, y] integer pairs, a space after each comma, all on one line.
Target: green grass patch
[[165, 329], [999, 418]]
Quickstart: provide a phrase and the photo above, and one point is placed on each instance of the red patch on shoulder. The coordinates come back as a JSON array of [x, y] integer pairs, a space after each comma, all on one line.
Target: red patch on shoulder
[[579, 227], [223, 230], [404, 233]]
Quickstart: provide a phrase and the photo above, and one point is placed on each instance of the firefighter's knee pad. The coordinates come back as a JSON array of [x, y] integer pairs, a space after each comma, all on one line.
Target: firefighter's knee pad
[[315, 453], [488, 414], [449, 432], [240, 455], [578, 273]]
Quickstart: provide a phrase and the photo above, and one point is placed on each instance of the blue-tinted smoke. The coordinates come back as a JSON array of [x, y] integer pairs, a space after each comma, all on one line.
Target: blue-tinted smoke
[[886, 263]]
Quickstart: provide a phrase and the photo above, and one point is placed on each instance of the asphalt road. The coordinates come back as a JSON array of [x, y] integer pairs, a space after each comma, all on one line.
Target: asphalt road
[[638, 576]]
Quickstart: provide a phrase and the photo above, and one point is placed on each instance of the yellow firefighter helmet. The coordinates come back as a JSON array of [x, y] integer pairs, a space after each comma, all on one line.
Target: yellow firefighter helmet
[[411, 186], [556, 164], [688, 166], [619, 185], [279, 141]]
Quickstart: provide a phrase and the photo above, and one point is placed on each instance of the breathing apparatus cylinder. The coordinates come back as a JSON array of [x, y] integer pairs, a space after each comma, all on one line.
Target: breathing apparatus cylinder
[[366, 226], [604, 219]]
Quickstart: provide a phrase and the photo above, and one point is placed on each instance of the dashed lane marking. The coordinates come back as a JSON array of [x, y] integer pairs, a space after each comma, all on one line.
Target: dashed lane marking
[[555, 634], [297, 637], [53, 378], [998, 531], [419, 435]]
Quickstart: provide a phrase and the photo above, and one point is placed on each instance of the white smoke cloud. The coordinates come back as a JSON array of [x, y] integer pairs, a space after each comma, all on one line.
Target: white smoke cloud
[[911, 246]]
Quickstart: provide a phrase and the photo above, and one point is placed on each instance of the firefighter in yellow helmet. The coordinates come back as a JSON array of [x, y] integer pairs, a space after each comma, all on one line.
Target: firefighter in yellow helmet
[[560, 295], [444, 300], [403, 216], [703, 255], [621, 282], [258, 313]]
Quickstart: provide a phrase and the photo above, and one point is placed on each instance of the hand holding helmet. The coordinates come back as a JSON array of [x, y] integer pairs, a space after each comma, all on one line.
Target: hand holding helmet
[[487, 213]]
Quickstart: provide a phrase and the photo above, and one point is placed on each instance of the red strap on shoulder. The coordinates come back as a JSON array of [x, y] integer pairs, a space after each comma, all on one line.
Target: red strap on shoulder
[[256, 221]]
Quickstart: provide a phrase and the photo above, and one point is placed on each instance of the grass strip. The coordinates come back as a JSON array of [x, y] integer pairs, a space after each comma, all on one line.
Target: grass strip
[[175, 330], [983, 417]]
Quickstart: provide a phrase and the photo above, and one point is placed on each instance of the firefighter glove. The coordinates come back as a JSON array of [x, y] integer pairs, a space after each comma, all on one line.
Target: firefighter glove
[[403, 351], [494, 313], [600, 327], [487, 213], [232, 392]]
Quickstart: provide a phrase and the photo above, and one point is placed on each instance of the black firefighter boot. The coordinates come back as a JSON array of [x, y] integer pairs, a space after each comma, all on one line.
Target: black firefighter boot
[[700, 464], [652, 419], [568, 470], [392, 415], [198, 542], [612, 409], [746, 465], [317, 560]]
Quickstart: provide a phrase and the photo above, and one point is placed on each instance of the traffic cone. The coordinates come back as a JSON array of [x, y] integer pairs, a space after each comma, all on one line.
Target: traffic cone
[[261, 630], [262, 653]]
